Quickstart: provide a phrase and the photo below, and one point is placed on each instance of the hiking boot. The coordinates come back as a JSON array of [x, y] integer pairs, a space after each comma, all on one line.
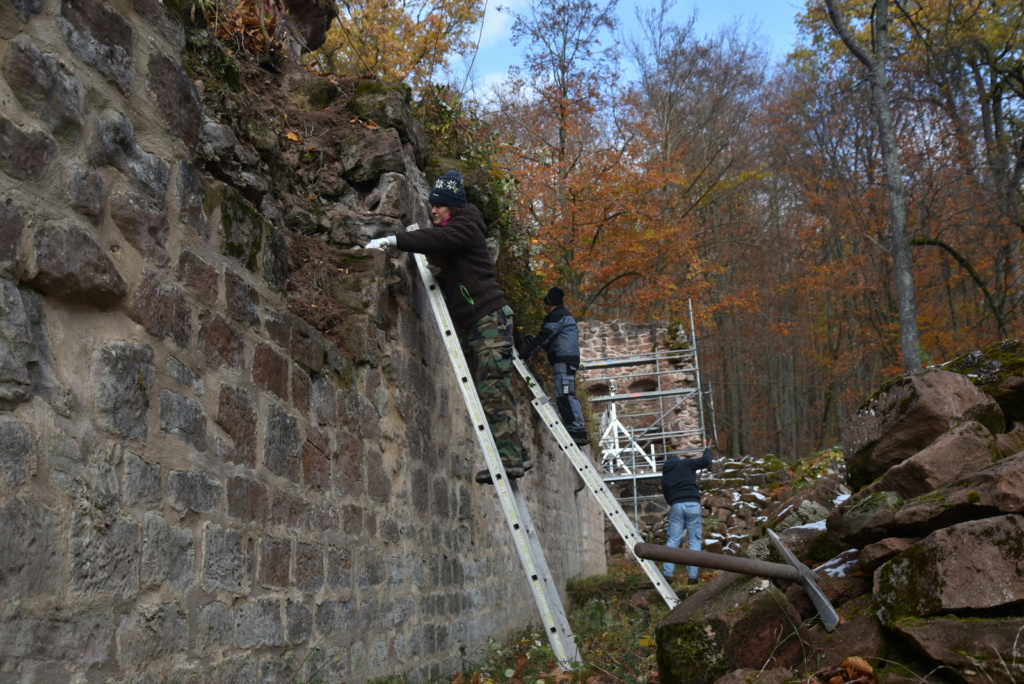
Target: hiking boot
[[527, 465], [693, 581], [512, 472], [580, 438]]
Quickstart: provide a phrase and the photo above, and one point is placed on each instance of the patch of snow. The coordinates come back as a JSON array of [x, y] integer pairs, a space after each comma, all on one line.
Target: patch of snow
[[819, 525], [840, 499], [838, 567]]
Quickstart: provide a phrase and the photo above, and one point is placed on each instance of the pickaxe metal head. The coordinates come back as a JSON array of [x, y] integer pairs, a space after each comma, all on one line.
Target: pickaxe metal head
[[828, 614]]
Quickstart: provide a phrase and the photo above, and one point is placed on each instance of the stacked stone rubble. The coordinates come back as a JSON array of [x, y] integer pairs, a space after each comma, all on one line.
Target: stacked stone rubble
[[922, 560]]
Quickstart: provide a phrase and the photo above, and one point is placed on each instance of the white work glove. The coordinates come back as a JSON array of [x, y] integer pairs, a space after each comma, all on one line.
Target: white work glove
[[382, 243]]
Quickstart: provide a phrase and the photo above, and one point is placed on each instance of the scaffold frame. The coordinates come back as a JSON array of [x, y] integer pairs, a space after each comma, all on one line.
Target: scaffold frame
[[634, 441]]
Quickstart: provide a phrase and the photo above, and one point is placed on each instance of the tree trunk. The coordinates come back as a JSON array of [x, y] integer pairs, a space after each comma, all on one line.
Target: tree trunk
[[876, 62]]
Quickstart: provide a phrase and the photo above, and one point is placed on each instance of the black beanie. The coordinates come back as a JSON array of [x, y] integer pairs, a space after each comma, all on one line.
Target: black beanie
[[449, 190], [554, 297]]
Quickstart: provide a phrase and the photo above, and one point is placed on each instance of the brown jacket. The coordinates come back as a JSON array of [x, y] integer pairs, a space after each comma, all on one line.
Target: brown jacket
[[470, 286]]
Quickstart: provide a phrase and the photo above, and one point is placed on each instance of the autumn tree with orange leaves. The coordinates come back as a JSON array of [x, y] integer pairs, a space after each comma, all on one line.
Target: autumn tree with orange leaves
[[398, 40], [609, 203]]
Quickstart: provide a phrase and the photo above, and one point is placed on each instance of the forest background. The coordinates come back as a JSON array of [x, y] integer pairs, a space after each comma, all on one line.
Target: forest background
[[847, 214]]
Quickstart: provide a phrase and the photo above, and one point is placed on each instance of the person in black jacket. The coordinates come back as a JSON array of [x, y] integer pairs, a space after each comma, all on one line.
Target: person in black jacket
[[560, 338], [477, 305], [679, 486]]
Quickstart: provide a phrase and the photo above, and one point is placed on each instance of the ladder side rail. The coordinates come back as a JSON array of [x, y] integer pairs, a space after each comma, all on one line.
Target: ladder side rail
[[560, 619], [515, 511], [592, 479]]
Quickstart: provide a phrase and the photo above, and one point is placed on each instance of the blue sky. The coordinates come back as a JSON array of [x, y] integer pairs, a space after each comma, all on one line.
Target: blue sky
[[772, 18]]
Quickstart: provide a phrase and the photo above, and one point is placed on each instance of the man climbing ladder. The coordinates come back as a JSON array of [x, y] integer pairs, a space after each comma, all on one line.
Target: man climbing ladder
[[513, 505], [559, 336], [477, 305]]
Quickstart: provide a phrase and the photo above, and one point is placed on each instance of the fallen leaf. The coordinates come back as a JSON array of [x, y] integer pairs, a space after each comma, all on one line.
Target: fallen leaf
[[521, 665], [857, 663], [293, 136]]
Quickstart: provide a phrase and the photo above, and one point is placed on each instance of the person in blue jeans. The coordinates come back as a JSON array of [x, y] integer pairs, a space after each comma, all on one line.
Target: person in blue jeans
[[679, 486]]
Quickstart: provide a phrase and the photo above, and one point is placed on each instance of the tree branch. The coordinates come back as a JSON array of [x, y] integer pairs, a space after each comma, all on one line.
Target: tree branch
[[975, 276], [846, 34]]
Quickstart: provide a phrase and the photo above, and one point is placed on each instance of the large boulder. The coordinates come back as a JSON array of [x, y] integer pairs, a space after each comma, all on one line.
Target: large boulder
[[860, 633], [388, 105], [1012, 442], [994, 491], [974, 566], [907, 415], [981, 650], [999, 372], [961, 451], [864, 520], [733, 622]]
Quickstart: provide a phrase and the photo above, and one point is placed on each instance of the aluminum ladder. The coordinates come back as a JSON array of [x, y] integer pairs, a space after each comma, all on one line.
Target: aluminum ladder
[[513, 505], [593, 481]]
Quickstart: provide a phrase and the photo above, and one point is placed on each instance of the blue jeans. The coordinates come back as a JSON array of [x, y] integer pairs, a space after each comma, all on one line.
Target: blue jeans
[[683, 516]]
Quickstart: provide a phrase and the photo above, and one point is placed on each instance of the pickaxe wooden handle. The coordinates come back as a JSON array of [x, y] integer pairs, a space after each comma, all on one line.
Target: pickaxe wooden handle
[[792, 570]]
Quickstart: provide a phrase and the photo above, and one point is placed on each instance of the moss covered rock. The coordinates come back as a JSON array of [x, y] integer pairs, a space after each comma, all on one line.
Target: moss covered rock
[[733, 622], [907, 415], [999, 372], [973, 566]]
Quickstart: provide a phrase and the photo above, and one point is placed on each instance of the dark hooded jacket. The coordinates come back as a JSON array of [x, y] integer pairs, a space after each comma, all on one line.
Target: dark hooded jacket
[[679, 478], [470, 286], [559, 337]]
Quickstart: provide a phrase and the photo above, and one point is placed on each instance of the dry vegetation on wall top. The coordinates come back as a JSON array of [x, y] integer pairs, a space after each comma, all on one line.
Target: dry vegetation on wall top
[[323, 286], [291, 126]]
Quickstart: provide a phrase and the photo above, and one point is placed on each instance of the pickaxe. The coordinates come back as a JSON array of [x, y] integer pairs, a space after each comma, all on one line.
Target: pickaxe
[[792, 570]]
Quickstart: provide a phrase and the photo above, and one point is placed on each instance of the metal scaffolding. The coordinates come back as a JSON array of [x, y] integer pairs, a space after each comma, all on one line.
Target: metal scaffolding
[[635, 435]]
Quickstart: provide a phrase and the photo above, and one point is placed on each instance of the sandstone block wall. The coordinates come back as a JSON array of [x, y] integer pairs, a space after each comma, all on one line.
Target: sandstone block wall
[[619, 338], [195, 485]]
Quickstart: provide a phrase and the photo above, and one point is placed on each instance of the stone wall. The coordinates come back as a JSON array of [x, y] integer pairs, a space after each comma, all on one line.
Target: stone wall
[[195, 483]]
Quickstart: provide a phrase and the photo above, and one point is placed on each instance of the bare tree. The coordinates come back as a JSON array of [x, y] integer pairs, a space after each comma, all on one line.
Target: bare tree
[[876, 59]]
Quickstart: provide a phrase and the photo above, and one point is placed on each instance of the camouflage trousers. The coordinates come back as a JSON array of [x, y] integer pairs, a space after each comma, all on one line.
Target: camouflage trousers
[[489, 353]]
